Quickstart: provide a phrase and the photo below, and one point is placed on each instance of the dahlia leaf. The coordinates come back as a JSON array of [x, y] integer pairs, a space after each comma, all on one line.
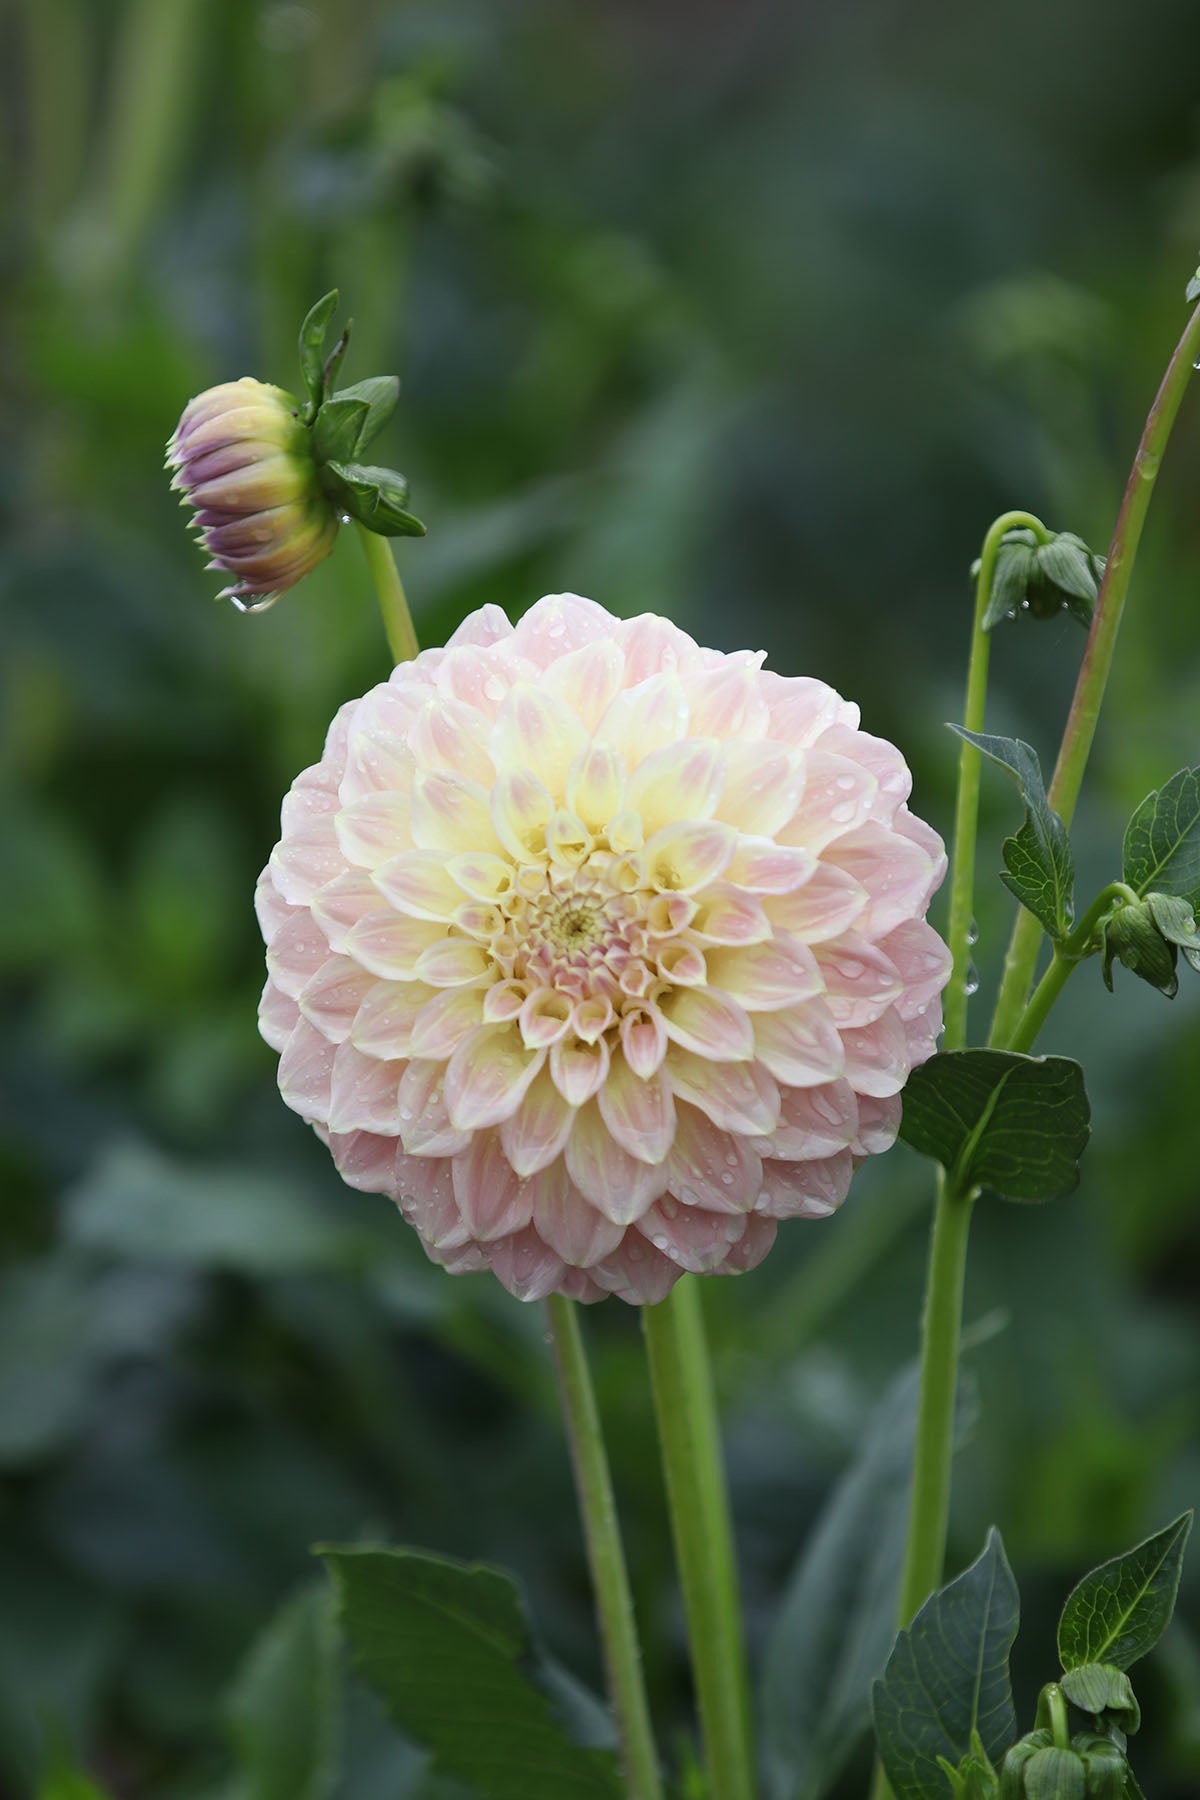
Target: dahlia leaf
[[1133, 935], [834, 1628], [1015, 1124], [1119, 1611], [1177, 923], [313, 333], [1162, 840], [1039, 866], [947, 1683], [1192, 291], [283, 1713], [450, 1649]]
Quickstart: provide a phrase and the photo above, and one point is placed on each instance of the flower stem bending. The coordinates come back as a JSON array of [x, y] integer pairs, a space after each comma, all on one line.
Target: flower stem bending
[[685, 1406], [389, 590], [1097, 658], [606, 1557]]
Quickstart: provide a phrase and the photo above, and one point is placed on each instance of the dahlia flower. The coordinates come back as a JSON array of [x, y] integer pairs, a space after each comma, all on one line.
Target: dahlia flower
[[243, 461], [598, 952]]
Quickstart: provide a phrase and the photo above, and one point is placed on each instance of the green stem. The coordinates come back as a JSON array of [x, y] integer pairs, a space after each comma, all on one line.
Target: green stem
[[966, 810], [389, 590], [685, 1406], [1097, 658], [606, 1558]]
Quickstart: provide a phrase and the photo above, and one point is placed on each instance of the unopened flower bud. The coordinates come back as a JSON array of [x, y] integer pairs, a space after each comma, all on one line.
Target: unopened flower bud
[[243, 461]]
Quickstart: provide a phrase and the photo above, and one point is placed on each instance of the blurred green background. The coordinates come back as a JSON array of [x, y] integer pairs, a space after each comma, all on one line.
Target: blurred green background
[[750, 314]]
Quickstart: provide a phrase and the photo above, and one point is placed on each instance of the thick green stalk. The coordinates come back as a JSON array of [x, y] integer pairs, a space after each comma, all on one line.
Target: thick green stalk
[[689, 1441], [389, 590], [606, 1557], [1097, 658]]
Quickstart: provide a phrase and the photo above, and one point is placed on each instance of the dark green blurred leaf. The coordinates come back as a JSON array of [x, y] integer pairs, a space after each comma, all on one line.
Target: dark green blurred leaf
[[449, 1648], [1119, 1611], [1039, 866], [835, 1622], [1162, 839], [284, 1708], [1016, 1124], [947, 1678]]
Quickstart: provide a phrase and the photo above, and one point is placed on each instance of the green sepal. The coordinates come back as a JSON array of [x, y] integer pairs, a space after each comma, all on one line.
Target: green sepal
[[1120, 1610], [1105, 1769], [336, 357], [1131, 936], [1162, 840], [1102, 1688], [996, 1119], [974, 1778], [1012, 1774], [373, 496], [313, 333], [1176, 921], [349, 419], [1055, 1774], [1039, 867], [1061, 575]]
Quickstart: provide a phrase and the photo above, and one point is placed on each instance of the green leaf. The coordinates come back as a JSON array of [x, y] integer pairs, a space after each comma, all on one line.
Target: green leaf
[[1132, 936], [1192, 291], [947, 1678], [349, 419], [449, 1648], [1177, 922], [1039, 866], [283, 1712], [1103, 1688], [313, 333], [1054, 1774], [376, 497], [1015, 1124], [974, 1778], [379, 394], [1162, 840], [1119, 1611], [833, 1630]]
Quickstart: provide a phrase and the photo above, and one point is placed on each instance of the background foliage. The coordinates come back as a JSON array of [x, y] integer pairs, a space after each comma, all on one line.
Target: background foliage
[[754, 315]]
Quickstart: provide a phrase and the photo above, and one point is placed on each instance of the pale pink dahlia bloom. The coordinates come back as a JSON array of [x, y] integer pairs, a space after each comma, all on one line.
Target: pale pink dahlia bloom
[[599, 952]]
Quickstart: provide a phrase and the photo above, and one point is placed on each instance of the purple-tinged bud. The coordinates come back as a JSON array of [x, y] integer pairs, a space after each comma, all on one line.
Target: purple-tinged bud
[[243, 461]]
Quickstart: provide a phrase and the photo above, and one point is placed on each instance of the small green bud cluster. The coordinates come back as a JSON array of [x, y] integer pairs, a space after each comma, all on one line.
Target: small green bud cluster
[[269, 478], [1043, 577]]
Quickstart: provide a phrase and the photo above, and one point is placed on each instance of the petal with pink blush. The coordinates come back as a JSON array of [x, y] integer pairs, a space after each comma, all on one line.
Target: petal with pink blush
[[656, 646], [824, 906], [425, 1194], [270, 908], [445, 1020], [884, 761], [488, 1075], [924, 963], [574, 1229], [454, 962], [306, 859], [363, 1093], [417, 883], [764, 784], [816, 1122], [712, 1168], [559, 623], [365, 1160], [341, 903], [727, 702], [373, 829], [449, 734], [697, 1240], [617, 1183], [493, 1201], [476, 678], [801, 1047], [596, 785], [376, 764], [490, 625], [838, 797], [877, 1057], [644, 1039], [643, 718], [545, 1016], [806, 1190], [277, 1016], [637, 1272], [538, 735], [681, 858], [724, 915], [390, 944], [521, 809], [527, 1267], [878, 1124], [298, 949], [425, 1127], [910, 826], [896, 872], [306, 1071], [802, 708], [586, 680], [740, 1097], [537, 1132], [761, 866], [579, 1069], [330, 999], [383, 1025], [708, 1023], [680, 781], [751, 1247], [450, 814], [640, 1113], [860, 981], [766, 977]]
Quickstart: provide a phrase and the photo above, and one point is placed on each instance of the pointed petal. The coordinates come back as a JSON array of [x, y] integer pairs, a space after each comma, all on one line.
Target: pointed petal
[[763, 786], [761, 866], [365, 1160], [897, 873], [444, 1021], [521, 809], [878, 1124], [639, 1112], [306, 1071], [390, 944], [707, 1023], [528, 1268], [488, 1075], [493, 1201], [739, 1097], [537, 1132], [806, 1190], [644, 1039], [596, 785], [636, 1272], [449, 734], [298, 949], [425, 1186], [418, 883], [424, 1121], [644, 718], [373, 830], [815, 1122], [364, 1093], [712, 1168], [860, 981], [697, 1240], [449, 814], [924, 964], [537, 734], [586, 680], [725, 915], [577, 1231], [877, 1057], [682, 858], [330, 999], [341, 903], [578, 1069], [454, 962], [277, 1016], [606, 1174], [766, 977], [683, 780], [383, 1025], [801, 1047], [824, 906]]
